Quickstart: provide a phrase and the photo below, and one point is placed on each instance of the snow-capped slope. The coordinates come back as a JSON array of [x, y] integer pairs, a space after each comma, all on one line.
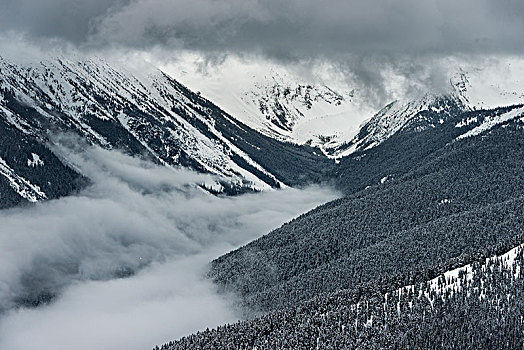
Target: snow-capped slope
[[490, 87], [143, 113], [299, 111], [114, 108], [281, 103], [398, 115], [489, 122], [271, 127]]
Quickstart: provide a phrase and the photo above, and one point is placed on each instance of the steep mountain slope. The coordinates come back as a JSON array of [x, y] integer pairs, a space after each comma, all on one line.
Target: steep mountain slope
[[340, 124], [29, 171], [434, 254], [280, 103], [455, 204], [426, 112], [476, 306], [149, 114], [409, 147]]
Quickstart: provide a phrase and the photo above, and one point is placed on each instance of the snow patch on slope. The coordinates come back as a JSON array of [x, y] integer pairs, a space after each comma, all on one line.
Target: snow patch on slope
[[490, 122], [35, 161], [451, 281], [22, 186]]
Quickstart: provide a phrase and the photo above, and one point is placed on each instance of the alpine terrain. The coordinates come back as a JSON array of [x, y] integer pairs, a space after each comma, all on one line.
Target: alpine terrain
[[153, 116], [261, 174]]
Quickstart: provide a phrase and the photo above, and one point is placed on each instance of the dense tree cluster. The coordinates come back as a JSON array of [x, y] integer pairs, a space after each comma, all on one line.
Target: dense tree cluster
[[478, 308], [462, 205], [333, 278], [411, 147], [55, 179]]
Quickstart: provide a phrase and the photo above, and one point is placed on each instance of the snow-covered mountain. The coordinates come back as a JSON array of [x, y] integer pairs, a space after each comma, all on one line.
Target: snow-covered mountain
[[327, 114], [417, 114], [281, 103], [270, 128], [148, 113], [477, 89], [429, 183], [299, 111]]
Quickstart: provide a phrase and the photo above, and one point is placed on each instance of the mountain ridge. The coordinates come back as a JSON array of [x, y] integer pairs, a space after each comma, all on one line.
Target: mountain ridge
[[153, 115]]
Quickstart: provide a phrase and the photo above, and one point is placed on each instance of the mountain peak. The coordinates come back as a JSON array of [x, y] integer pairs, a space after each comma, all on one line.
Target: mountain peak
[[400, 115]]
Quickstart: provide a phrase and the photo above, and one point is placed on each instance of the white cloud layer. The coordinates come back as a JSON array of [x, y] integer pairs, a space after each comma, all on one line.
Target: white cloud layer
[[136, 219]]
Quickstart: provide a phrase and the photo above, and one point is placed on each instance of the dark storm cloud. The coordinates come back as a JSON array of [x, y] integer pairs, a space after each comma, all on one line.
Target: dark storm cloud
[[279, 29], [63, 19], [369, 41]]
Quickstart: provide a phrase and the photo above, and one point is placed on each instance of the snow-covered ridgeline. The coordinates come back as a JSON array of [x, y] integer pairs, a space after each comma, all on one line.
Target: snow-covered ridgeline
[[87, 88], [457, 279], [496, 84], [396, 116], [490, 122], [448, 282]]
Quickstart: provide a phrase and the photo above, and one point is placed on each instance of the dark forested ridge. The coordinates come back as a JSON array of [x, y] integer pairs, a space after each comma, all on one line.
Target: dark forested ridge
[[411, 147], [321, 280], [458, 206], [479, 307]]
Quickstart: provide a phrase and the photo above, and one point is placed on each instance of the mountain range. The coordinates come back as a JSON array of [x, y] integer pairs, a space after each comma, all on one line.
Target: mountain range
[[429, 227], [430, 251], [153, 116]]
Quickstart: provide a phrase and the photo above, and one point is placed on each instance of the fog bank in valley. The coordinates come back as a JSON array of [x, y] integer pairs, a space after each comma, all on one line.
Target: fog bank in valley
[[124, 259]]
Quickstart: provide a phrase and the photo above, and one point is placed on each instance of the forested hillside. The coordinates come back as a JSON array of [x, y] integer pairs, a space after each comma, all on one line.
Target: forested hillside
[[461, 205], [479, 306], [416, 261]]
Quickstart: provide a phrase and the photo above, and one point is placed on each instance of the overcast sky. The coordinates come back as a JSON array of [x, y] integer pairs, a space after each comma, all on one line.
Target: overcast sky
[[369, 41], [280, 29]]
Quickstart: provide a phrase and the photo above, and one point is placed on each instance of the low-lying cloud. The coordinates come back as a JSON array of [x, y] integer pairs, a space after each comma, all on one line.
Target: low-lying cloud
[[150, 224]]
